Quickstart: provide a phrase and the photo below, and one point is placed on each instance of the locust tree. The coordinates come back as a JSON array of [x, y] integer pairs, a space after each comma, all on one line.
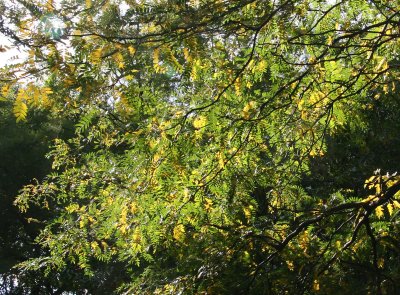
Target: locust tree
[[199, 123]]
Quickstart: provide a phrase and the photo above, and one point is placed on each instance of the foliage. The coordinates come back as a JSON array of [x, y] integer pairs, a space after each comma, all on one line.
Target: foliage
[[199, 125]]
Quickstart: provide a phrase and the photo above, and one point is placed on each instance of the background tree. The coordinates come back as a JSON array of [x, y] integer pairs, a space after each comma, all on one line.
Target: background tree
[[23, 148]]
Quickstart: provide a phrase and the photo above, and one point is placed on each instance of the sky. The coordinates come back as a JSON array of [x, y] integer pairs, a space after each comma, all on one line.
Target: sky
[[13, 55], [10, 56]]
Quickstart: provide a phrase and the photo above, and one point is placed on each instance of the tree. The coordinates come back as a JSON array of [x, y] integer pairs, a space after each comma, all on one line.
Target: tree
[[23, 148], [198, 124], [354, 151]]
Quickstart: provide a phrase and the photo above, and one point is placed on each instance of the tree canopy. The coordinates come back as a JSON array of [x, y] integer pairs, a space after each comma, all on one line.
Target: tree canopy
[[220, 147]]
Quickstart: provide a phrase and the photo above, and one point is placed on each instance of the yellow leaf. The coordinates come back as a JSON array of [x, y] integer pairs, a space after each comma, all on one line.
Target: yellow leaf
[[123, 229], [304, 240], [390, 209], [247, 211], [369, 198], [20, 109], [47, 90], [378, 188], [381, 262], [237, 87], [179, 232], [197, 66], [386, 89], [316, 285], [96, 55], [379, 212], [49, 5], [382, 64], [68, 82], [186, 195], [134, 208], [221, 162], [261, 66], [136, 247], [104, 245], [120, 60], [313, 153], [156, 158], [396, 204], [186, 54], [132, 50], [300, 104], [121, 65], [94, 246], [330, 40], [248, 110], [390, 183], [369, 183], [199, 122], [156, 61], [88, 3], [338, 244], [4, 90], [290, 265], [123, 217], [72, 208], [208, 204], [136, 236]]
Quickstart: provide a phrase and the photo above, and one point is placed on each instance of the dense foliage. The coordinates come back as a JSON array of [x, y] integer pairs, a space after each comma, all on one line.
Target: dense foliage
[[221, 147]]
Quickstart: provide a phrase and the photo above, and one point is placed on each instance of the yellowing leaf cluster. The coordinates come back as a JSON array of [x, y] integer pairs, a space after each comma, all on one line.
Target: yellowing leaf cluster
[[379, 212], [20, 108], [30, 95], [179, 232], [249, 110], [199, 122], [156, 62], [208, 204], [119, 58]]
